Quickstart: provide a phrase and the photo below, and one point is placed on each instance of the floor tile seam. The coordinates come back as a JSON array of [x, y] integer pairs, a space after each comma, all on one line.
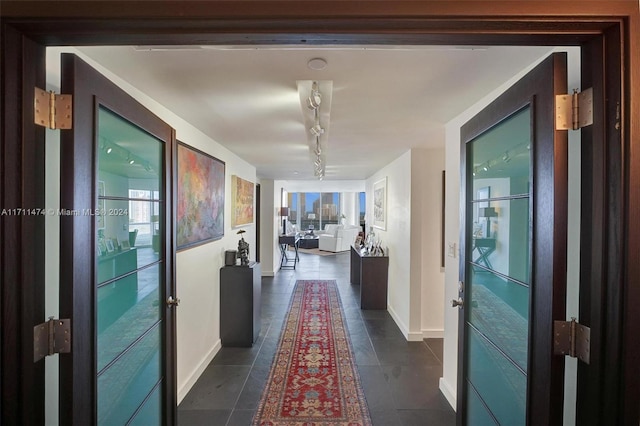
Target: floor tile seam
[[370, 341], [431, 350], [367, 334], [248, 375]]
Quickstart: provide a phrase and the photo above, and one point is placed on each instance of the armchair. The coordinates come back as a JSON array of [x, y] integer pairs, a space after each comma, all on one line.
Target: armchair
[[337, 238]]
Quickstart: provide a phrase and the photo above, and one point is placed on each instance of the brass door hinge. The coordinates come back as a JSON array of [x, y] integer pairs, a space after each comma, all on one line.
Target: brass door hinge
[[574, 111], [573, 339], [51, 110], [51, 337]]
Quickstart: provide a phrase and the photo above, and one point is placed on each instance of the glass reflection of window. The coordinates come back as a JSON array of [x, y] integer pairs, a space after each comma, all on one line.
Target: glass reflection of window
[[144, 216]]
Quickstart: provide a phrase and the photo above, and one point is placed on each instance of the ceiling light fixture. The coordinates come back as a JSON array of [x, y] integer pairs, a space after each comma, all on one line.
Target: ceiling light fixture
[[317, 64]]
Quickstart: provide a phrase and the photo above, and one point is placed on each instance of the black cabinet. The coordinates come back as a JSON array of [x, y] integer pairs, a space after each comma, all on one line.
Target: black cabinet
[[240, 301], [371, 273]]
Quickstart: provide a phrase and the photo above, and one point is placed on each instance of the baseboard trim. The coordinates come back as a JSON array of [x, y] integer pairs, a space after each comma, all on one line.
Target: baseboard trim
[[197, 372], [268, 274], [448, 392], [403, 328], [432, 333]]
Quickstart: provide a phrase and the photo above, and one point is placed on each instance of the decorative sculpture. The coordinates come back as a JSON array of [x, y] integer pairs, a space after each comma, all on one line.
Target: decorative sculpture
[[243, 249]]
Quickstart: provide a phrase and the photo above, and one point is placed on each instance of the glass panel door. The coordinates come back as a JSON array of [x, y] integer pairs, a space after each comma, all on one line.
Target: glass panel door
[[129, 272], [498, 265]]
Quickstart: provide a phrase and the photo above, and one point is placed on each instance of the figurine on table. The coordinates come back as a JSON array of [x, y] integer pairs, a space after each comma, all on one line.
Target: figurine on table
[[243, 249]]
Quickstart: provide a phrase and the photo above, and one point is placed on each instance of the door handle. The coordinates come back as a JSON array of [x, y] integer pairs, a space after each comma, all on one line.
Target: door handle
[[457, 303], [172, 302]]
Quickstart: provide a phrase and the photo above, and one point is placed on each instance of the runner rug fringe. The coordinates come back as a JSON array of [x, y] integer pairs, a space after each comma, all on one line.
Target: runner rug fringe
[[313, 379]]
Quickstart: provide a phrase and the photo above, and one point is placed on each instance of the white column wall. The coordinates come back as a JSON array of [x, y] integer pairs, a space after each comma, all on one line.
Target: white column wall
[[268, 228], [427, 277], [397, 236]]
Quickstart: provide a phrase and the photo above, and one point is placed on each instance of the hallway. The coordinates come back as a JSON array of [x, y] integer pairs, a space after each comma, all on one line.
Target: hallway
[[400, 378]]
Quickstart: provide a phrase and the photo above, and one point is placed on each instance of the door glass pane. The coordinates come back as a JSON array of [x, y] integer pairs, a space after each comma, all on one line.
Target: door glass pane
[[498, 269], [117, 255], [128, 308], [506, 226], [129, 245], [501, 385], [129, 380], [499, 309], [150, 413], [128, 157], [477, 414], [501, 158]]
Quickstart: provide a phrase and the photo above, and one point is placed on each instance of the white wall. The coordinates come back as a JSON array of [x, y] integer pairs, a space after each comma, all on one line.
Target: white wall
[[397, 236], [427, 277], [452, 230], [268, 228], [197, 269], [416, 281]]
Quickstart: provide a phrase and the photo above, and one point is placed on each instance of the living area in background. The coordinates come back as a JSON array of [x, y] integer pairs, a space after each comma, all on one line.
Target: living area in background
[[328, 221]]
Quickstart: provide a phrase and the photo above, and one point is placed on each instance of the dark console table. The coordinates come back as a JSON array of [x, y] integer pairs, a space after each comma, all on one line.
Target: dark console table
[[371, 273], [240, 301]]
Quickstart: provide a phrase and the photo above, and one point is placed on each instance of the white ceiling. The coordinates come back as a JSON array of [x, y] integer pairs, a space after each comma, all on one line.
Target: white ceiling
[[384, 100]]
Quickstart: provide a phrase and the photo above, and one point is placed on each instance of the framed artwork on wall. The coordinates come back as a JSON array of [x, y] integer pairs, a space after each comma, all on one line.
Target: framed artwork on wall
[[241, 201], [380, 204], [200, 204]]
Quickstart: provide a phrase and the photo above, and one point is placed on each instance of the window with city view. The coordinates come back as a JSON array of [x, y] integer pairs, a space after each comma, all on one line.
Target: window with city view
[[318, 209]]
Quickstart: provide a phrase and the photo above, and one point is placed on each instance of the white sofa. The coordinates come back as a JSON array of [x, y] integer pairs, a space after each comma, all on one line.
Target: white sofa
[[336, 238]]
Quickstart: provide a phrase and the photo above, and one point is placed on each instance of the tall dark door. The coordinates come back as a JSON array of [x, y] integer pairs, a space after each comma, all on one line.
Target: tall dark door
[[116, 280], [513, 257]]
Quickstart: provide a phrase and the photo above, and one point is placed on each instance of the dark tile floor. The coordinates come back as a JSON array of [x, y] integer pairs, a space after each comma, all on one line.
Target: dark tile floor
[[399, 378]]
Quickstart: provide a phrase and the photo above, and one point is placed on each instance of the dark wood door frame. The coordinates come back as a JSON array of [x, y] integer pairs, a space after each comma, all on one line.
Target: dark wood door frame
[[21, 235], [258, 218], [607, 30]]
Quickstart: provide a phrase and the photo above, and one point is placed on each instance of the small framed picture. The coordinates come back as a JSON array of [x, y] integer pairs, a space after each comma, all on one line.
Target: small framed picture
[[110, 247], [102, 248], [124, 245], [98, 251]]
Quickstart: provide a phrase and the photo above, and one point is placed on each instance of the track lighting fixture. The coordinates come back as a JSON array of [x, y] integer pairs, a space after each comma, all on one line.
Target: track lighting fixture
[[502, 159], [117, 152], [316, 130], [315, 98], [313, 102]]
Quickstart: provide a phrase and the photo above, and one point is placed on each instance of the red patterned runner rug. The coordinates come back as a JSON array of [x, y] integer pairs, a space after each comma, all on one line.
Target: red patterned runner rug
[[313, 379]]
